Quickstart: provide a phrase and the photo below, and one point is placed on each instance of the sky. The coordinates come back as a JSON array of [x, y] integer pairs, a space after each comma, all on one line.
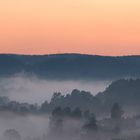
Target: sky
[[102, 27]]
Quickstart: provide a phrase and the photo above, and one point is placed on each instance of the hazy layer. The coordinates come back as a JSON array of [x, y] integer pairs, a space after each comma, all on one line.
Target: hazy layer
[[33, 90], [26, 125]]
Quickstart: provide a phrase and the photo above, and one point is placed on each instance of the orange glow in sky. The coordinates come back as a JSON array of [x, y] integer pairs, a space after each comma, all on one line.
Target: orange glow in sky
[[103, 27]]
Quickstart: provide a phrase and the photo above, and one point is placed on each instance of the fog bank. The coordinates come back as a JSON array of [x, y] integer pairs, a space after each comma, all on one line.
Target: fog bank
[[34, 90]]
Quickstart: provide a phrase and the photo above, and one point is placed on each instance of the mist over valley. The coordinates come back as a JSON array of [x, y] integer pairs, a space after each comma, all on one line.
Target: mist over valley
[[69, 97]]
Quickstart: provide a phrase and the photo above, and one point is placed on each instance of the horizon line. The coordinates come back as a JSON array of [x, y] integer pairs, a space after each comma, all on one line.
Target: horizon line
[[22, 54]]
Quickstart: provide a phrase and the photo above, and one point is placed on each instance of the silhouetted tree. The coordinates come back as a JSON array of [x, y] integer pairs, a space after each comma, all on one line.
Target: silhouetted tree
[[57, 112], [44, 107], [86, 114], [77, 113], [116, 111], [56, 121], [67, 112], [91, 125], [116, 115], [56, 96]]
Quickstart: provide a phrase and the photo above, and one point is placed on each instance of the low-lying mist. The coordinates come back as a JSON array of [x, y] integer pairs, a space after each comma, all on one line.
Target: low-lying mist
[[27, 125], [39, 127], [80, 115], [35, 90]]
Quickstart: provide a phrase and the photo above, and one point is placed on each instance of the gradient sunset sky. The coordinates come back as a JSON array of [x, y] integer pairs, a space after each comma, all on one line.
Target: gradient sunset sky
[[103, 27]]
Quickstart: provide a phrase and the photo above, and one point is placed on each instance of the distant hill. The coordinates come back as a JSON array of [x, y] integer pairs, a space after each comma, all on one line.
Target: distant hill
[[70, 66]]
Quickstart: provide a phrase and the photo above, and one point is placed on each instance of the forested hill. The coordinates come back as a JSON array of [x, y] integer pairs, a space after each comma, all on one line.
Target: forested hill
[[70, 66], [126, 92]]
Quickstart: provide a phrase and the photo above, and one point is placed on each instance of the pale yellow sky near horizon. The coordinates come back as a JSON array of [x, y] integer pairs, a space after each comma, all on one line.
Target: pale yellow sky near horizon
[[103, 27]]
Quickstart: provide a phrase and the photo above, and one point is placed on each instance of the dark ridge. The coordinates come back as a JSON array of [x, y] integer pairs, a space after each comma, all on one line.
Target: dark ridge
[[70, 66]]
